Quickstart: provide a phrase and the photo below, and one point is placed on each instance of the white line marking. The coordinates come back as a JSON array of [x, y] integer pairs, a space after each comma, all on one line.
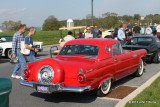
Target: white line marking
[[107, 98]]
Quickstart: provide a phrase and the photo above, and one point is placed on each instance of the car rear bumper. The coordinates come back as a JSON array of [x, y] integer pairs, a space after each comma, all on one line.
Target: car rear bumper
[[56, 87]]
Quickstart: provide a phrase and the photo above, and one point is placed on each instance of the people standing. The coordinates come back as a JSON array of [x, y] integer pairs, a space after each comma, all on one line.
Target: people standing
[[16, 52], [88, 33], [136, 30], [29, 45], [121, 33], [100, 33], [158, 30], [69, 37], [129, 26], [115, 33], [148, 30]]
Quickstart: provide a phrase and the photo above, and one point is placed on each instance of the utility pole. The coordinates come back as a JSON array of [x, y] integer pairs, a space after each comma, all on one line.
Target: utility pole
[[92, 11]]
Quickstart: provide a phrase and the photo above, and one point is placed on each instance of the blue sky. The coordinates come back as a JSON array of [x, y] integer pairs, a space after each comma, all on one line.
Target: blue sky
[[34, 12]]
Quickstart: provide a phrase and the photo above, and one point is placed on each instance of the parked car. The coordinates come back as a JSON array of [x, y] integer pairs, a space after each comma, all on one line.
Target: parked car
[[6, 44], [5, 89], [107, 34], [150, 43], [1, 50], [84, 65]]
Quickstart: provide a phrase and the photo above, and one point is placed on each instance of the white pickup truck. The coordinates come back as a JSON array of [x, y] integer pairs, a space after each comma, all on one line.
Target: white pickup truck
[[6, 44]]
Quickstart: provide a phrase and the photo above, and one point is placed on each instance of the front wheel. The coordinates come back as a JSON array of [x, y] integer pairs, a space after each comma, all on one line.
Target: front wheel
[[140, 69], [105, 88], [157, 57], [8, 53]]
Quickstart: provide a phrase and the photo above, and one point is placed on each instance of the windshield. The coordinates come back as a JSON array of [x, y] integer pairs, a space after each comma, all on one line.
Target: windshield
[[80, 50], [140, 41], [5, 38]]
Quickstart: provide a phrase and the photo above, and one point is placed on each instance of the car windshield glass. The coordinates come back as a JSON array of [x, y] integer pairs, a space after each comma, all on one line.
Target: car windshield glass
[[80, 50], [144, 39], [5, 38]]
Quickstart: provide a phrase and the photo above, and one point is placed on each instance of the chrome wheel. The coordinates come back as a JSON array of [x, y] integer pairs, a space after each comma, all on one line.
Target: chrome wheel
[[106, 86], [140, 69], [46, 74], [9, 53], [159, 56], [104, 89]]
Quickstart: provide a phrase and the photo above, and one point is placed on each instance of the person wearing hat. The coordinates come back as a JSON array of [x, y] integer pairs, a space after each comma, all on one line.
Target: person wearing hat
[[136, 30]]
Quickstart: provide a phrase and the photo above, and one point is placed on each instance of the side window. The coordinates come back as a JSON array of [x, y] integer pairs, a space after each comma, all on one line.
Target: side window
[[117, 49], [134, 41]]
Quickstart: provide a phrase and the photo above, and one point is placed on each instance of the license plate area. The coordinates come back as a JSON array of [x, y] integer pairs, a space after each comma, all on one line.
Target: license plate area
[[46, 88], [42, 88]]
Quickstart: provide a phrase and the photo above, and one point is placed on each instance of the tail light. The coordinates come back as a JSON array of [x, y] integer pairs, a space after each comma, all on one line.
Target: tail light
[[81, 77], [26, 71]]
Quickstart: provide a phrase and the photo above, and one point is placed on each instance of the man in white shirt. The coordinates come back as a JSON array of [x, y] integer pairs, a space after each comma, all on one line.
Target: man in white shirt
[[158, 31], [69, 37], [121, 33], [88, 33], [148, 30]]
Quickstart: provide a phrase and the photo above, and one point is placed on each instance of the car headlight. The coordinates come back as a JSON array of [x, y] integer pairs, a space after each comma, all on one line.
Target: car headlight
[[46, 74]]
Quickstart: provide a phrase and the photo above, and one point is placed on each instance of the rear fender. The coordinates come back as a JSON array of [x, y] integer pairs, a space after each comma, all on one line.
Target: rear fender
[[107, 78]]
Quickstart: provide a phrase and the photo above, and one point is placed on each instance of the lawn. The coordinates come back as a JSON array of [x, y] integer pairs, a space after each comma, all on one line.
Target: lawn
[[47, 37], [150, 97]]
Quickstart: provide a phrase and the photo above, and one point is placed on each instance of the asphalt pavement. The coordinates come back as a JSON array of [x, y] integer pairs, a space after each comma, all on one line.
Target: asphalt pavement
[[27, 97]]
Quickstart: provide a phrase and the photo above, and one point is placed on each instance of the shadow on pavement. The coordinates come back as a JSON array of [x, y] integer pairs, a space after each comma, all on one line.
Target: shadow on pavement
[[3, 60], [123, 80], [85, 97]]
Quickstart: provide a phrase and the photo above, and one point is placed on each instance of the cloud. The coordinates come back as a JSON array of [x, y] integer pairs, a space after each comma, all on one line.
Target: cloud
[[11, 11]]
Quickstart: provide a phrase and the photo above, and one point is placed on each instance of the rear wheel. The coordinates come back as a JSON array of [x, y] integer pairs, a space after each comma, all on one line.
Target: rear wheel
[[157, 57], [8, 53], [105, 88], [140, 69]]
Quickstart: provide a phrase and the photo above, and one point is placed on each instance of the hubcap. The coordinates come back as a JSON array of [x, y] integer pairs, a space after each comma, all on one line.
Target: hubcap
[[159, 56], [9, 53], [140, 69], [106, 86]]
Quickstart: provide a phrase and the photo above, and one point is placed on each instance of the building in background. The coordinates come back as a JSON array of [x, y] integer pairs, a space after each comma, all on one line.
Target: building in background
[[70, 23]]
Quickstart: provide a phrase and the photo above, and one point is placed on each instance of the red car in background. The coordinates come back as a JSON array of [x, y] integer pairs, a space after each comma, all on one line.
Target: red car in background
[[84, 65]]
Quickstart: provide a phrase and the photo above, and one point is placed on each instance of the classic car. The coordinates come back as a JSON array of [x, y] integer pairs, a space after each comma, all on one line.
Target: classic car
[[150, 43], [5, 89], [6, 44], [84, 65], [1, 50]]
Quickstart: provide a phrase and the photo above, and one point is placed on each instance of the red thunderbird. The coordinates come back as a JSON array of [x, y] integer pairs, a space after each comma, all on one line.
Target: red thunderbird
[[84, 65]]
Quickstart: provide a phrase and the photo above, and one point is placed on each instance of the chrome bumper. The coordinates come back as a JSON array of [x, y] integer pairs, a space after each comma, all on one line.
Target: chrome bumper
[[56, 87]]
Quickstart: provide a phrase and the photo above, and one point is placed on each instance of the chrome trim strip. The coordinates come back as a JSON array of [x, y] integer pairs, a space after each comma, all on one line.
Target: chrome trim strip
[[61, 88], [2, 93], [149, 53]]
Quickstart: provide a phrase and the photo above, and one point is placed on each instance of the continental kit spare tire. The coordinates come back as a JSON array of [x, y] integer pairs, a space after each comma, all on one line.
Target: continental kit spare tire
[[49, 71]]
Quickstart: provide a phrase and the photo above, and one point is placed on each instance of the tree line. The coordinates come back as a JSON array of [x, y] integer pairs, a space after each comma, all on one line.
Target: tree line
[[106, 20]]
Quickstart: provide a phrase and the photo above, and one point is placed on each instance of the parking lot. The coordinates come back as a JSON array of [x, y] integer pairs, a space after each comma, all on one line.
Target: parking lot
[[25, 96]]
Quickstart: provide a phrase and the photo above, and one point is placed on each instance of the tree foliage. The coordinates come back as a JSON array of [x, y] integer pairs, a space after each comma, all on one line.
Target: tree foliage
[[51, 23], [11, 25]]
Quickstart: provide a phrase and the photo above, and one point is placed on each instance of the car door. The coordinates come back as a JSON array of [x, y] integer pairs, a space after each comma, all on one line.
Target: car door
[[122, 59]]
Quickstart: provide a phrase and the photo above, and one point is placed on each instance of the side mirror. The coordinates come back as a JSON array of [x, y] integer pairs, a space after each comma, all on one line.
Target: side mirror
[[5, 89]]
